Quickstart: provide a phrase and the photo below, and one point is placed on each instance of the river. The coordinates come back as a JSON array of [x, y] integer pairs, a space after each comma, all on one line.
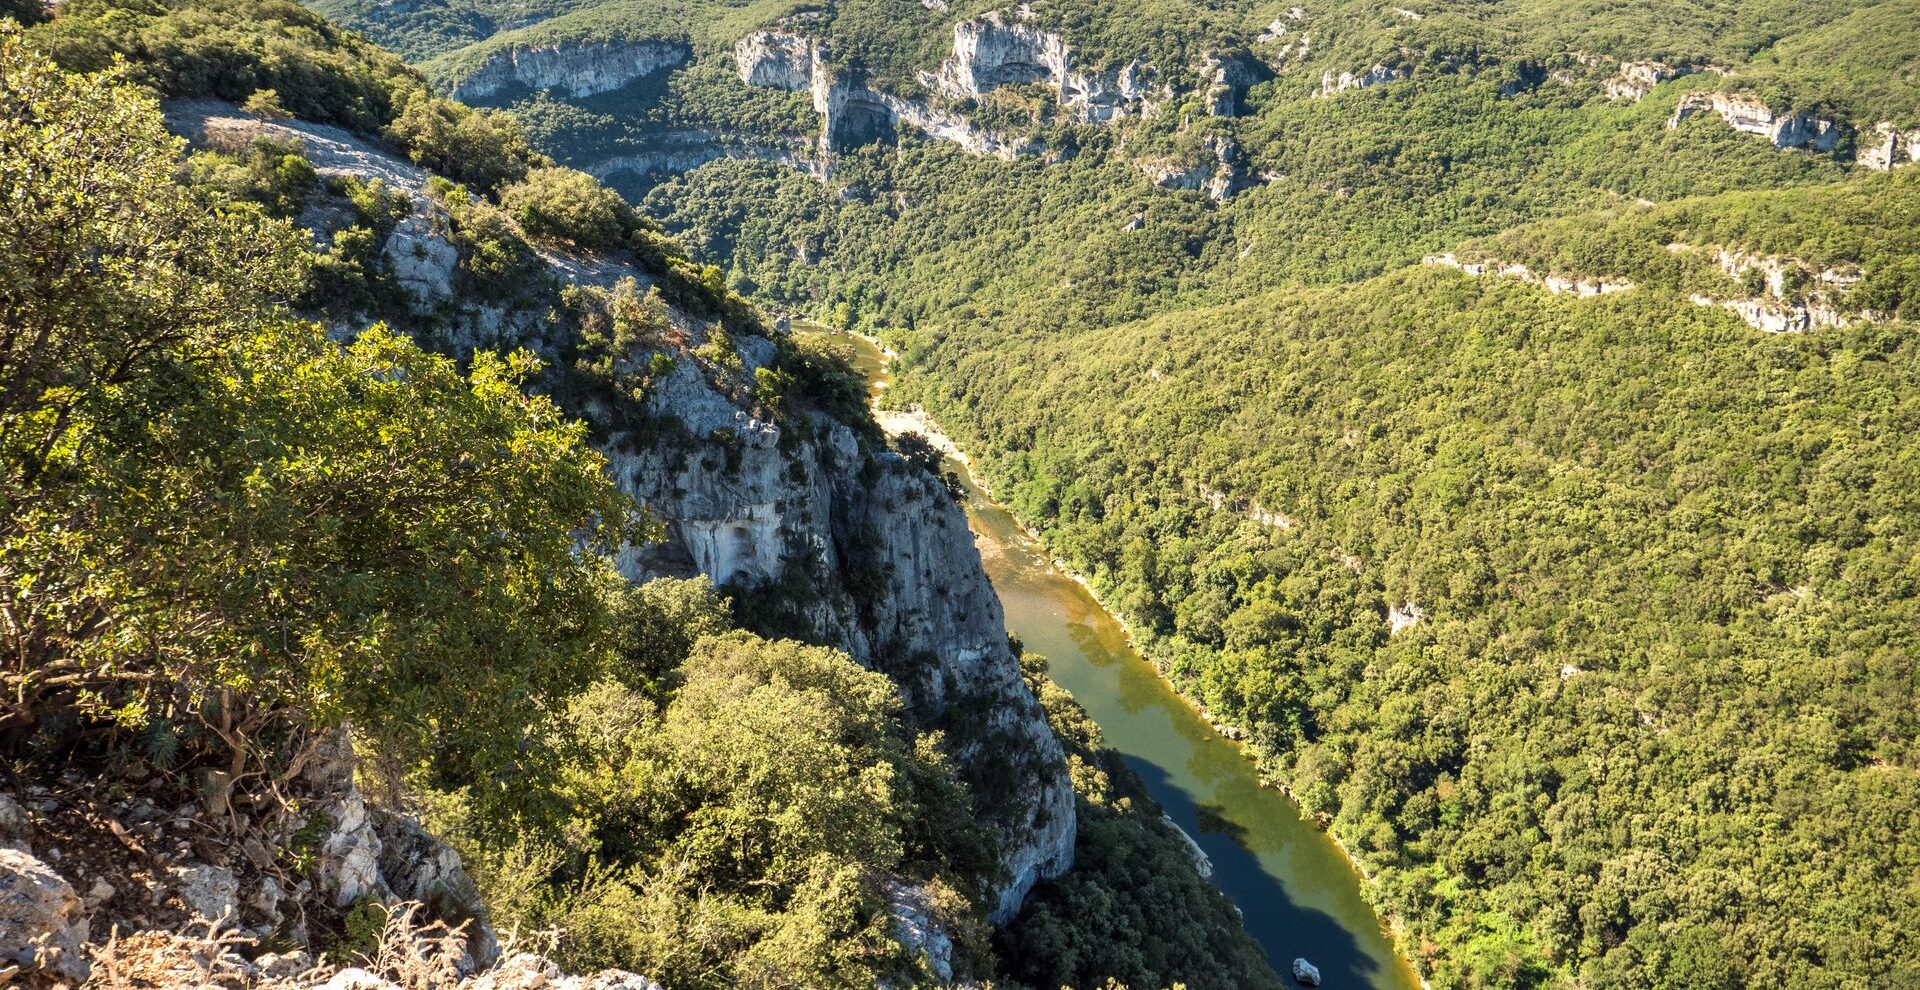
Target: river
[[1297, 889]]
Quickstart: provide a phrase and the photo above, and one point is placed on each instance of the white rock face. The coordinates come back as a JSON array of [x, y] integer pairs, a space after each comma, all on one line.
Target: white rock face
[[755, 506], [1637, 79], [42, 926], [1779, 308], [1231, 75], [1573, 285], [1219, 176], [914, 925], [577, 69], [1750, 116], [421, 255], [1331, 84], [371, 852], [777, 59], [1202, 863], [997, 50], [1403, 616], [208, 891], [1307, 973], [1888, 148]]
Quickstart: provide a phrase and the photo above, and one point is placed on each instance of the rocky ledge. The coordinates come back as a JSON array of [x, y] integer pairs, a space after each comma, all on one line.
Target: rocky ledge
[[578, 69], [1749, 115], [999, 49]]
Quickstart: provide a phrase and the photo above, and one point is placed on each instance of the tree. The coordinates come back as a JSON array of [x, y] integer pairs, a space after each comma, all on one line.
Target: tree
[[214, 512]]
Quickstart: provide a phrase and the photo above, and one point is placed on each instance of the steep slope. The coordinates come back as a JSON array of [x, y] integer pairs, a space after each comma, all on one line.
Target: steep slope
[[804, 506], [1563, 574]]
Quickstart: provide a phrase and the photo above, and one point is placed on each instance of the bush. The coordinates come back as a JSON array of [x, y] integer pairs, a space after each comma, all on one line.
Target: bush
[[567, 208]]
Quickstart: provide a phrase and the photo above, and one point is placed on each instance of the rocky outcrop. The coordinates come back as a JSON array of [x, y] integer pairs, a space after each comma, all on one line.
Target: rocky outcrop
[[1637, 79], [1220, 173], [894, 580], [1231, 76], [372, 852], [1403, 617], [42, 926], [777, 59], [1202, 863], [1888, 148], [1751, 116], [851, 111], [1279, 26], [1791, 297], [1331, 83], [1581, 285], [918, 929], [998, 50], [578, 69]]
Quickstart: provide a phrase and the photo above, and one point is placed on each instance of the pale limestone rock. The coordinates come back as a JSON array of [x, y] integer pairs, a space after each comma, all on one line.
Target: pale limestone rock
[[209, 892], [578, 69], [354, 978], [919, 933], [1331, 83], [42, 925], [1231, 76], [1403, 616], [777, 59], [1307, 973], [1637, 79], [1750, 116], [1202, 863], [1888, 148], [1220, 174], [997, 50]]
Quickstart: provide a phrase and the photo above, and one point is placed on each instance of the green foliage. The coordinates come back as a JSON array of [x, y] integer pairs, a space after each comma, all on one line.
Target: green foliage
[[738, 827], [563, 207], [1637, 528], [214, 510]]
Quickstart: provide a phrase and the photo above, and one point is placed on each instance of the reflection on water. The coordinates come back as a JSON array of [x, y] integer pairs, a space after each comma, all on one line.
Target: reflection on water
[[1299, 894]]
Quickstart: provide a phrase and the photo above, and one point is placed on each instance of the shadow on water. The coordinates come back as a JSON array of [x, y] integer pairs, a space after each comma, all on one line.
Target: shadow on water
[[1284, 928], [1298, 893]]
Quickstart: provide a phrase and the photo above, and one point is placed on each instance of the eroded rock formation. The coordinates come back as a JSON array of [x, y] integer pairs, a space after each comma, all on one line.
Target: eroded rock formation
[[1637, 79], [578, 69], [998, 50], [1888, 147], [1751, 116], [1331, 83]]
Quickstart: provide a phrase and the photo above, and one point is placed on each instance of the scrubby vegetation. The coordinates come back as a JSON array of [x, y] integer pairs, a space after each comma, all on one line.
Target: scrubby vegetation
[[228, 534]]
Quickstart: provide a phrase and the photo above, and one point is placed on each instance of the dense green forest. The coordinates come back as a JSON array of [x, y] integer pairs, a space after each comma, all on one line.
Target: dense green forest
[[1582, 622], [655, 787], [1653, 723]]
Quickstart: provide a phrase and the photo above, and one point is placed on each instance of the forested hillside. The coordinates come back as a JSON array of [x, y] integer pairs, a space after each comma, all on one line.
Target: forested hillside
[[407, 539], [1411, 377], [1504, 414]]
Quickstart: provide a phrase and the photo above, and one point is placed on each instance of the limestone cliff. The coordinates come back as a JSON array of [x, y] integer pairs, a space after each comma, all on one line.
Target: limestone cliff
[[1751, 116], [1888, 147], [578, 69], [890, 575], [851, 111], [801, 515], [1001, 50]]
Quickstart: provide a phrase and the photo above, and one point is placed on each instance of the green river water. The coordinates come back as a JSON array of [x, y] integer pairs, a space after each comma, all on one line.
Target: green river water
[[1297, 890]]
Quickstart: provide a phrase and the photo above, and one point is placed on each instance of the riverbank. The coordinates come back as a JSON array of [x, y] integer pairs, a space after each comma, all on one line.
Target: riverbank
[[1254, 827]]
